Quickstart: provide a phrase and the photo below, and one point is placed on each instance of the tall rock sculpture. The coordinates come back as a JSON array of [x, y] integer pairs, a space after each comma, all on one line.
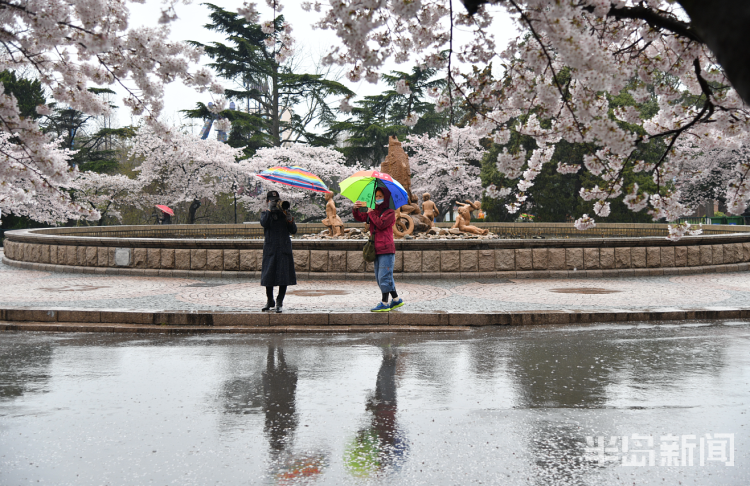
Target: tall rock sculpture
[[396, 164]]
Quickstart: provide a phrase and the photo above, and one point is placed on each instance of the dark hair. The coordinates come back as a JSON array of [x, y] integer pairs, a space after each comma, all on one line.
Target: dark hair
[[381, 191]]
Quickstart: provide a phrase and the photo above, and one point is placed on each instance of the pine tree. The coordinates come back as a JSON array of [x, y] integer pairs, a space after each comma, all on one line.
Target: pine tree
[[95, 151], [256, 58], [29, 93], [377, 117]]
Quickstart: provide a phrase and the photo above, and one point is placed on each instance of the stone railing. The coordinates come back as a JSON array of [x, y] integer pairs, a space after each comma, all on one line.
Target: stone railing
[[216, 254]]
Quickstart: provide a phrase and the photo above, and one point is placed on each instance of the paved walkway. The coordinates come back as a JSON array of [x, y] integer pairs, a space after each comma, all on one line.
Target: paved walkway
[[24, 288]]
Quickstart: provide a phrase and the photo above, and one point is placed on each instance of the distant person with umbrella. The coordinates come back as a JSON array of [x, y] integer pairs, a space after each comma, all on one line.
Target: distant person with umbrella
[[376, 196], [278, 259], [278, 225], [166, 214]]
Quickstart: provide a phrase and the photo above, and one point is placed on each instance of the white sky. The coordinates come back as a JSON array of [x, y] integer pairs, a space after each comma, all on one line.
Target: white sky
[[311, 45]]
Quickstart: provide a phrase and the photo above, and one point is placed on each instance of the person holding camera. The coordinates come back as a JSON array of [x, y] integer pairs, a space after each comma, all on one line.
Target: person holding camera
[[278, 260], [381, 220]]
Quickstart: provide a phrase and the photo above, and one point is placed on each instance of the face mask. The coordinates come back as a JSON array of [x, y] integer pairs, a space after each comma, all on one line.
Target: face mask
[[379, 201]]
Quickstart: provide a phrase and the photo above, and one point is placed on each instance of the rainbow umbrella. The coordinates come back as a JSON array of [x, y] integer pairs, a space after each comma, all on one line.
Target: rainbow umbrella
[[295, 177], [362, 185]]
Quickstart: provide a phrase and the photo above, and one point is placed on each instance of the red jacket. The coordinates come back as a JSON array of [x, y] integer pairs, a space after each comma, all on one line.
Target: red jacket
[[381, 222]]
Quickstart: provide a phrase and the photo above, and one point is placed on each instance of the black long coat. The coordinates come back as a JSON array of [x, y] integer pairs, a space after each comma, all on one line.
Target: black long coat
[[278, 260]]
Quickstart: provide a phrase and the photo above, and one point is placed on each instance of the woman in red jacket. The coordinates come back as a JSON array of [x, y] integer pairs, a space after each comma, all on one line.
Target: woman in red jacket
[[381, 220]]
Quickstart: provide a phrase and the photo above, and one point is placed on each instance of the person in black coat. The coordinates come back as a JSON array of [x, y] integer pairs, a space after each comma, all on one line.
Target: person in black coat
[[278, 260]]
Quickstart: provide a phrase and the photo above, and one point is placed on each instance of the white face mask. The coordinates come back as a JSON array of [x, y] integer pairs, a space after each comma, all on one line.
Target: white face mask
[[379, 201]]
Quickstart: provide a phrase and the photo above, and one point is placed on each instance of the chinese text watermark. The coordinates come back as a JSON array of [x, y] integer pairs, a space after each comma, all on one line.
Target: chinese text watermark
[[672, 450]]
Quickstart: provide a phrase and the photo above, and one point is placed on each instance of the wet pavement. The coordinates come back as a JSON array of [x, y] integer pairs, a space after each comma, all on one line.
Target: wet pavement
[[511, 406], [27, 288]]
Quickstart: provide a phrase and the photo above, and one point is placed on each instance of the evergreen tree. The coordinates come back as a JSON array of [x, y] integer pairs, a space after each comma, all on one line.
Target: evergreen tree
[[95, 151], [256, 57], [28, 92], [377, 117]]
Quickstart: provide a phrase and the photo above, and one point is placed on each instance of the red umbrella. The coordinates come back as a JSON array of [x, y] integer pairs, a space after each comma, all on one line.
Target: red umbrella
[[165, 209]]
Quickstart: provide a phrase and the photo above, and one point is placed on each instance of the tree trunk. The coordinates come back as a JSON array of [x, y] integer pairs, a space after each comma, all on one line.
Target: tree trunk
[[722, 25], [193, 209], [275, 115], [443, 210]]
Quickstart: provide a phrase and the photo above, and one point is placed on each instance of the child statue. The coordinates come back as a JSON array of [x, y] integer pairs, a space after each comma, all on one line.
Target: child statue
[[464, 218], [332, 221], [429, 209]]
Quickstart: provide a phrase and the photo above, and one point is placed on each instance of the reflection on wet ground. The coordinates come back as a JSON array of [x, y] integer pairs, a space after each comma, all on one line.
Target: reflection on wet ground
[[506, 406]]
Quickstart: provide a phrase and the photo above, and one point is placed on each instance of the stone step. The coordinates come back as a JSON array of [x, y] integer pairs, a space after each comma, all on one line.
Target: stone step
[[109, 319], [171, 329]]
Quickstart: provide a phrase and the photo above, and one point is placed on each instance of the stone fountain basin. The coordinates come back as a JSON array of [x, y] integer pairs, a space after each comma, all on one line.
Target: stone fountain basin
[[611, 250]]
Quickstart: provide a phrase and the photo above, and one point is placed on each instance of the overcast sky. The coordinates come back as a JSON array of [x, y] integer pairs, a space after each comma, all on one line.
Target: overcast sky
[[311, 45]]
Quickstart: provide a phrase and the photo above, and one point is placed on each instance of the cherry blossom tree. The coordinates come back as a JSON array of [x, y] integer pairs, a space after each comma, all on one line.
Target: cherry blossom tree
[[446, 166], [328, 164], [42, 196], [711, 177], [185, 168], [69, 46], [557, 73], [105, 193]]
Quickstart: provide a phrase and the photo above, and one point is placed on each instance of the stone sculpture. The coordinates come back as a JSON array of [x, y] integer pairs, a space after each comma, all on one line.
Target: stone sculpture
[[409, 217], [396, 164], [464, 218], [429, 209], [421, 223], [332, 221], [404, 224]]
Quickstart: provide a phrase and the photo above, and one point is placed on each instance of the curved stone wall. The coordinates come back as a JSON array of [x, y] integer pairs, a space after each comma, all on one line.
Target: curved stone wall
[[725, 248]]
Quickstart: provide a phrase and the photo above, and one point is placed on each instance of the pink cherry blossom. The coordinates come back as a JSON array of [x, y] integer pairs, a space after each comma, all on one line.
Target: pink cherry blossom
[[328, 164], [584, 222], [70, 46], [446, 166], [604, 46], [181, 167]]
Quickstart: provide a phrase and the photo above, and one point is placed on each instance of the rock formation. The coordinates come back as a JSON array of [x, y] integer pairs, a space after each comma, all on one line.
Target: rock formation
[[396, 164]]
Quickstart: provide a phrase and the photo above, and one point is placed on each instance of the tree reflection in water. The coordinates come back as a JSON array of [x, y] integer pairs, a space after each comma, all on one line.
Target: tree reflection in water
[[25, 366], [381, 447], [557, 373]]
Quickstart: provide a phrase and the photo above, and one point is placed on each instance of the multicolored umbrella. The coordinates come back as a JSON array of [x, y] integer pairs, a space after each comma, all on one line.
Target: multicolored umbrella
[[295, 177], [296, 469], [165, 209], [362, 185]]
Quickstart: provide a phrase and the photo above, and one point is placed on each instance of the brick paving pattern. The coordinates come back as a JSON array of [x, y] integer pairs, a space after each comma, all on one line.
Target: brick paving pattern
[[77, 288], [311, 294], [24, 288], [609, 293]]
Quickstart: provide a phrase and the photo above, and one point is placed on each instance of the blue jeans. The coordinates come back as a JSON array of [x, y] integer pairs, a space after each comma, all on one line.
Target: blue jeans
[[384, 272]]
